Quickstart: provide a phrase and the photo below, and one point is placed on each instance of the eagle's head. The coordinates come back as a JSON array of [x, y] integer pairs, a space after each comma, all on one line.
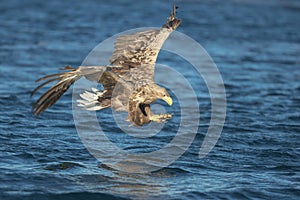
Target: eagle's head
[[139, 111], [152, 92]]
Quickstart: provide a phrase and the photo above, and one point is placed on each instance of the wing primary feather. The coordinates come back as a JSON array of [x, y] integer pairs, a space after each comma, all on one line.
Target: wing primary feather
[[65, 80], [51, 96], [43, 84]]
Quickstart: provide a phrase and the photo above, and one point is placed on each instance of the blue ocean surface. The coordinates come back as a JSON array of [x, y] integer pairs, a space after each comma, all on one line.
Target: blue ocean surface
[[256, 47]]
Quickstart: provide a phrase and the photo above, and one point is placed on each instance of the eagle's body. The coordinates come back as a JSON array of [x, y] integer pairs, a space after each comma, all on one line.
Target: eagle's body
[[128, 83]]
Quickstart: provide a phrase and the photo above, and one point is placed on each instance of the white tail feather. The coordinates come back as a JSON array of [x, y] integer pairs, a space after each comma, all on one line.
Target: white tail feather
[[89, 100], [89, 96]]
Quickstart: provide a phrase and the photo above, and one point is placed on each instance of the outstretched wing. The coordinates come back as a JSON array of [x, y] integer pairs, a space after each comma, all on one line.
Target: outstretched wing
[[64, 81], [139, 51]]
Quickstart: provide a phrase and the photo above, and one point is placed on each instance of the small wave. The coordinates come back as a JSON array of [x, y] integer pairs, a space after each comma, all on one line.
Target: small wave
[[67, 196], [170, 172], [63, 166]]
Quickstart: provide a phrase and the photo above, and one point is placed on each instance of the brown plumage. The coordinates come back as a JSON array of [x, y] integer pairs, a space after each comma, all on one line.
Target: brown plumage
[[128, 83]]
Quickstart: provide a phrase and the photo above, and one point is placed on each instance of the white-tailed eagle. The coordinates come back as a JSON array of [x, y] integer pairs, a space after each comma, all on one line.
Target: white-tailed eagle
[[128, 82]]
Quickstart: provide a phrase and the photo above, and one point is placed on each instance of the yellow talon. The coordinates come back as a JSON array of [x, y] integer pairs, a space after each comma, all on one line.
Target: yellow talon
[[161, 118]]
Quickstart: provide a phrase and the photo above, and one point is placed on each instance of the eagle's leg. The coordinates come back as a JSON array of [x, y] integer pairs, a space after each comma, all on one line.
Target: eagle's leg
[[161, 118]]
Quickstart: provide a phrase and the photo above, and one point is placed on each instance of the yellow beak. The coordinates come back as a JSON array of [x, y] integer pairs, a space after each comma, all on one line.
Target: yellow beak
[[168, 100]]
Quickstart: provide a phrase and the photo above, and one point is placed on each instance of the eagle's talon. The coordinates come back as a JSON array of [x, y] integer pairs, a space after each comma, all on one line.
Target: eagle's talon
[[161, 118]]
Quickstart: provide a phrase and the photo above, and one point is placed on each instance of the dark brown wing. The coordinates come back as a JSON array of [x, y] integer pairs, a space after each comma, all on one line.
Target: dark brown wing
[[139, 51], [64, 81]]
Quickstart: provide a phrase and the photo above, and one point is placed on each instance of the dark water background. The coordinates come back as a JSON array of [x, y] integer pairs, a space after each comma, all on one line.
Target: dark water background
[[256, 46]]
